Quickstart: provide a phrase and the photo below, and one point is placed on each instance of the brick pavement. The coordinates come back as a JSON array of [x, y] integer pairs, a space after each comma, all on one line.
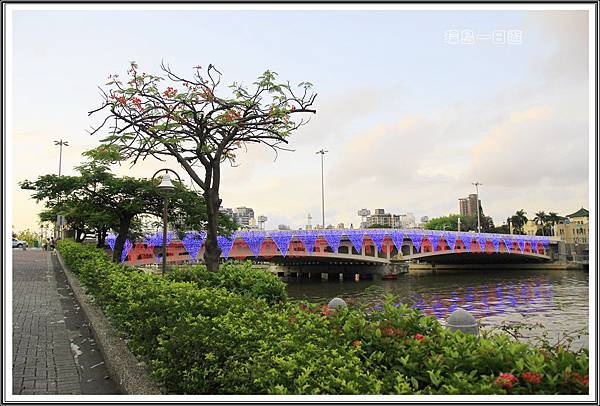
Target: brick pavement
[[53, 349]]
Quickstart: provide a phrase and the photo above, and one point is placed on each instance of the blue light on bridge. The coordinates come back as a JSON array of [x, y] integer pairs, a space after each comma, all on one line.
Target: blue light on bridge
[[397, 238], [482, 241], [416, 238], [333, 237], [450, 239], [282, 240], [254, 240], [377, 236], [308, 238], [193, 242], [126, 248], [110, 240], [434, 239], [356, 238], [156, 240], [466, 239], [225, 244]]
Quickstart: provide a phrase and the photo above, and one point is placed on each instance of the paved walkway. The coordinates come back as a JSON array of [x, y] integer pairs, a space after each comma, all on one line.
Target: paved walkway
[[53, 349]]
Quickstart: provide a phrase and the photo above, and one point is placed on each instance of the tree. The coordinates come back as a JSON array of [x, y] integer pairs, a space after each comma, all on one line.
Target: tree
[[200, 124], [540, 219], [379, 226], [449, 223], [554, 218], [518, 220], [29, 236], [97, 198]]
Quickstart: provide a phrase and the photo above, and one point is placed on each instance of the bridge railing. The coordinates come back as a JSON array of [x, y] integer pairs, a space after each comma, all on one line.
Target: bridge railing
[[307, 242]]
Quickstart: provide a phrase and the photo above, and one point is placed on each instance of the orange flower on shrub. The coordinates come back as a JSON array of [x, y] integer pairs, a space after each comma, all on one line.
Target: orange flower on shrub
[[356, 343], [326, 311], [419, 337], [506, 380], [387, 332], [532, 377]]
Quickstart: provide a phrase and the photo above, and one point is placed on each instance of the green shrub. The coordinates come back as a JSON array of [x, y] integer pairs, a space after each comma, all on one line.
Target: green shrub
[[217, 333], [237, 277]]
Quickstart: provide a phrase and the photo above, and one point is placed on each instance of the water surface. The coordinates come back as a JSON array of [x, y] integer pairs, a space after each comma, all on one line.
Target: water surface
[[554, 298]]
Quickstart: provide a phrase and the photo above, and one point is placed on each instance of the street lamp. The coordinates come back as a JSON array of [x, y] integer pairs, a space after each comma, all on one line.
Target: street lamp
[[476, 184], [59, 218], [322, 152], [164, 189]]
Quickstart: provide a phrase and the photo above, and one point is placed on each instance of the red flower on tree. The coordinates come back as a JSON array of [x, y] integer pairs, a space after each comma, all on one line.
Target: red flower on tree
[[506, 380], [170, 92], [137, 103], [419, 337], [532, 377], [121, 99]]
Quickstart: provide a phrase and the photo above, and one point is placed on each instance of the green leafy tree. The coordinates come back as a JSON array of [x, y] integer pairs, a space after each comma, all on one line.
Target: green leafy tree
[[201, 123], [97, 198], [449, 223], [467, 223], [27, 235]]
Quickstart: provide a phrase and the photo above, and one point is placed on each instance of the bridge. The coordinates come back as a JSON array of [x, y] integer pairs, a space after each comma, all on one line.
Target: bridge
[[385, 250]]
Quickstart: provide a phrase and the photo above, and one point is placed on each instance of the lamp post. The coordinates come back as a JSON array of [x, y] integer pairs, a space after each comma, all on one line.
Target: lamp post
[[476, 184], [458, 224], [164, 188], [322, 152], [59, 219]]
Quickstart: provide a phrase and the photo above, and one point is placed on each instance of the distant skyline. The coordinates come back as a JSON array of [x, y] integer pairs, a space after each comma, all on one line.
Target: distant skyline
[[410, 119]]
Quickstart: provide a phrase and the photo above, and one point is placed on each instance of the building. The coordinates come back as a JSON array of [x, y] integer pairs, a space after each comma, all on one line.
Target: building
[[243, 216], [574, 229], [383, 219], [531, 227], [468, 205], [408, 220]]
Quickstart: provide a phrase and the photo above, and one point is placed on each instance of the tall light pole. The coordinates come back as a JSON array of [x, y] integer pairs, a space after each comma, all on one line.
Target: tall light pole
[[164, 189], [322, 152], [59, 220], [476, 184]]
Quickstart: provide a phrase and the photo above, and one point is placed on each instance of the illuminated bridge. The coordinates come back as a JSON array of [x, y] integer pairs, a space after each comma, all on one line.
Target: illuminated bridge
[[337, 249]]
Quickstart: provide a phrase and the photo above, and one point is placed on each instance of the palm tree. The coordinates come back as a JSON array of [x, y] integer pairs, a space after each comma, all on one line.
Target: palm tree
[[540, 219], [518, 220], [554, 218]]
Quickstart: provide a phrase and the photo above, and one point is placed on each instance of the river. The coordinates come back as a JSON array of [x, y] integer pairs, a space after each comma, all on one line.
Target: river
[[551, 302]]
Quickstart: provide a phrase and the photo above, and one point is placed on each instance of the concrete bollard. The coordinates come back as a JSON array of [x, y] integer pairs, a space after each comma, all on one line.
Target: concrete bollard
[[336, 302], [462, 320]]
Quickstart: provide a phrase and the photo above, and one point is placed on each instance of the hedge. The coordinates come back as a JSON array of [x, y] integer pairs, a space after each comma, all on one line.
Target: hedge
[[234, 332]]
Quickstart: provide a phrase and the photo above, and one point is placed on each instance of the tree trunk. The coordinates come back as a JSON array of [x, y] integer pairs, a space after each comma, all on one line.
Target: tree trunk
[[212, 252], [120, 241], [80, 234], [101, 234]]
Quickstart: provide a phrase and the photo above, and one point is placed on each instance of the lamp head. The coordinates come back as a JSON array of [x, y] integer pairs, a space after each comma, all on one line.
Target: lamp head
[[166, 185]]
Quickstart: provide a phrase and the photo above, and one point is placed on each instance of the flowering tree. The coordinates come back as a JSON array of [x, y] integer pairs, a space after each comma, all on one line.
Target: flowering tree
[[200, 123]]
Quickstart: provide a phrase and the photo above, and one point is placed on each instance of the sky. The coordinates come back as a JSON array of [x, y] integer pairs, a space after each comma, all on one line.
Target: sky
[[410, 119]]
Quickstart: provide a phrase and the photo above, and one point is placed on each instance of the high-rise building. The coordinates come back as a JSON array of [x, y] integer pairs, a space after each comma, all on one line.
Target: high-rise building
[[243, 216], [468, 205]]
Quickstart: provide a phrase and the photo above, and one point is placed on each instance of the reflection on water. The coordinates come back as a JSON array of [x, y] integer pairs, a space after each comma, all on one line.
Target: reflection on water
[[557, 299]]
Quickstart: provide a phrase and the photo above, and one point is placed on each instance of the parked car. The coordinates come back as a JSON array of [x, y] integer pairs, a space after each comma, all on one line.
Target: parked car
[[19, 243]]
